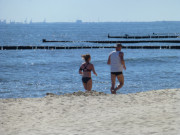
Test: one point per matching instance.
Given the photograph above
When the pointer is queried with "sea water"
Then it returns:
(33, 73)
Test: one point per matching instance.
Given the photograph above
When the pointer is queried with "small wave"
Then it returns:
(4, 92)
(3, 80)
(153, 59)
(167, 57)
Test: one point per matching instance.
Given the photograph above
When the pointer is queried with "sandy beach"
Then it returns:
(146, 113)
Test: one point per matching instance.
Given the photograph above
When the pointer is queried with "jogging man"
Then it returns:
(117, 63)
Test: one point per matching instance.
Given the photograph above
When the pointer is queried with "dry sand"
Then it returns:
(146, 113)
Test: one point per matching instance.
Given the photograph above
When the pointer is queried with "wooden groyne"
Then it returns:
(120, 41)
(143, 37)
(83, 47)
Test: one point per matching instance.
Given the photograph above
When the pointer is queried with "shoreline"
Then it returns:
(153, 112)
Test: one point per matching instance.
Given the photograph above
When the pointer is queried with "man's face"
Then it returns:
(118, 48)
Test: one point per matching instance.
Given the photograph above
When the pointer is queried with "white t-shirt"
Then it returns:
(116, 65)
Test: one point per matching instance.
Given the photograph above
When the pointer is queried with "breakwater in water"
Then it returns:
(83, 47)
(112, 42)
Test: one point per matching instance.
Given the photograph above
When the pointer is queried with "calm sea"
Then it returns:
(33, 73)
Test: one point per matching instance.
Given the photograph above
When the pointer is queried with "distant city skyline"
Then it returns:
(27, 11)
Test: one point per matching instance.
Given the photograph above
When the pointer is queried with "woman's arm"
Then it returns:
(94, 70)
(80, 70)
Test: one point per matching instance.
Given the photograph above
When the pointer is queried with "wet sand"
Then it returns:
(146, 113)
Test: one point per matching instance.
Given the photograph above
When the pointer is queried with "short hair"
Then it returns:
(119, 45)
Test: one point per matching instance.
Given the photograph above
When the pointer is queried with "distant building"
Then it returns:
(25, 21)
(30, 21)
(2, 21)
(44, 20)
(12, 22)
(78, 21)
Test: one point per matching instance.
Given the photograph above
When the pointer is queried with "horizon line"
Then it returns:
(80, 21)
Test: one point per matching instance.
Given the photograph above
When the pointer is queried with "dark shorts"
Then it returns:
(116, 73)
(86, 79)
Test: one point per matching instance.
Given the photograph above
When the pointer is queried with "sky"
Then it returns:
(90, 10)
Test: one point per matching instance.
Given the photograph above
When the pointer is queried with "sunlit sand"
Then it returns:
(146, 113)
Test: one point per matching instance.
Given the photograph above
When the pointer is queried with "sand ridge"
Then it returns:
(79, 93)
(147, 113)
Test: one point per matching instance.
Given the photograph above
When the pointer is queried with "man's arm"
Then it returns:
(109, 60)
(121, 55)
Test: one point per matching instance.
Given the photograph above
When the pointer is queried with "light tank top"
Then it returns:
(116, 65)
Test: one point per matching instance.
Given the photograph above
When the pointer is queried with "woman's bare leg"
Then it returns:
(89, 85)
(85, 86)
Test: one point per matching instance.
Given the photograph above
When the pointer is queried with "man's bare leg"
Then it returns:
(121, 82)
(113, 81)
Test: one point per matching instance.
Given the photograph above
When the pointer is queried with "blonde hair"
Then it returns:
(86, 57)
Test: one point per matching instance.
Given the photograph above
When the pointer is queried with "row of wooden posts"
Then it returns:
(83, 47)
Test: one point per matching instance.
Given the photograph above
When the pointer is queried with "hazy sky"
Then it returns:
(90, 10)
